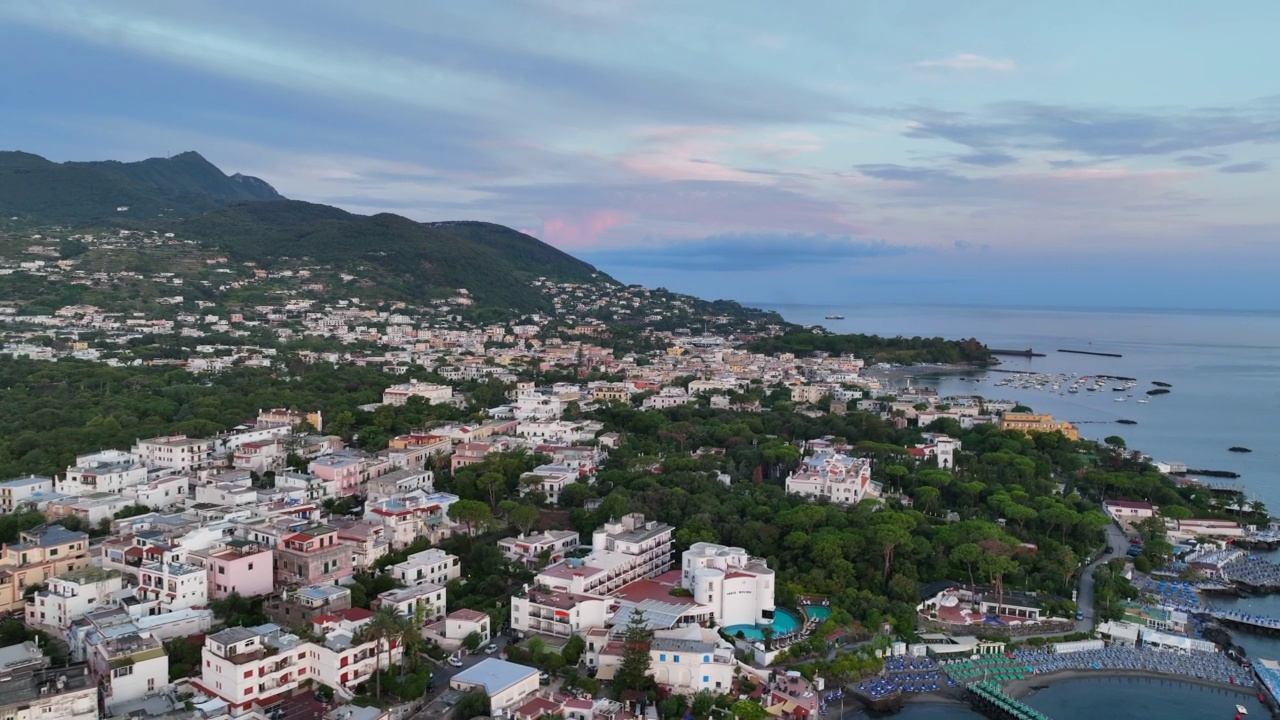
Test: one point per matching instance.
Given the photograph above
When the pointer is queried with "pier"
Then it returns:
(987, 698)
(1263, 624)
(1016, 353)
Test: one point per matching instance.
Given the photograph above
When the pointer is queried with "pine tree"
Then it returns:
(633, 671)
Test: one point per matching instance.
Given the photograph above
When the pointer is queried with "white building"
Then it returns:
(528, 549)
(160, 493)
(668, 397)
(550, 480)
(738, 588)
(941, 448)
(179, 452)
(169, 587)
(400, 394)
(505, 683)
(429, 566)
(842, 479)
(622, 551)
(106, 471)
(70, 596)
(425, 602)
(692, 659)
(29, 490)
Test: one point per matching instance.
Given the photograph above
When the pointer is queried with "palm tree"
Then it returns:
(379, 629)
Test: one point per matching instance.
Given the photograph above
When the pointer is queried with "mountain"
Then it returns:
(247, 219)
(88, 192)
(414, 260)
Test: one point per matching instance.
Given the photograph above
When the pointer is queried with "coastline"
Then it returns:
(1020, 689)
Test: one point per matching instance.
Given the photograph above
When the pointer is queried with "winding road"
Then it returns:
(1119, 544)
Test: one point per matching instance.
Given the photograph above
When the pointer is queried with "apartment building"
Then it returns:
(166, 587)
(106, 471)
(70, 596)
(686, 660)
(252, 666)
(280, 417)
(737, 587)
(367, 542)
(622, 551)
(22, 492)
(41, 553)
(179, 452)
(342, 471)
(842, 479)
(531, 549)
(160, 492)
(429, 566)
(311, 555)
(559, 613)
(340, 661)
(425, 602)
(91, 509)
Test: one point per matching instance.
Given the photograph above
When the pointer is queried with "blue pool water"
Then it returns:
(817, 612)
(784, 623)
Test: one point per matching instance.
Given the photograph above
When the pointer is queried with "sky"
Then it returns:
(836, 152)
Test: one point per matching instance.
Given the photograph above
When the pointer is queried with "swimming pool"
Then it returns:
(784, 623)
(817, 612)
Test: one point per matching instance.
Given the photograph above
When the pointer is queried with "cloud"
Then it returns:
(988, 159)
(1096, 132)
(1201, 160)
(1245, 167)
(747, 252)
(965, 61)
(582, 230)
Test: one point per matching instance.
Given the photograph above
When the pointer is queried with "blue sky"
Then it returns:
(1083, 153)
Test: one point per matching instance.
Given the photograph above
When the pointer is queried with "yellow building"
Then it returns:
(41, 553)
(1029, 423)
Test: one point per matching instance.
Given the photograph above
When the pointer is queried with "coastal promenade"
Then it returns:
(1215, 668)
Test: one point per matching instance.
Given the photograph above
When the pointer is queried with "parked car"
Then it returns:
(1110, 549)
(544, 678)
(491, 649)
(455, 662)
(1079, 614)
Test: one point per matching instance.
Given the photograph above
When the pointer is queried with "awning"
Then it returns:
(606, 672)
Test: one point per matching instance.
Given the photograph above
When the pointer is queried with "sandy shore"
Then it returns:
(1019, 689)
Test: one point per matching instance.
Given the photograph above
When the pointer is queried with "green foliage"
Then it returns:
(236, 610)
(873, 348)
(415, 260)
(184, 657)
(473, 704)
(633, 670)
(13, 632)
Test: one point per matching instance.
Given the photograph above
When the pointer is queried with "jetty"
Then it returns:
(1090, 352)
(987, 698)
(1264, 540)
(1016, 353)
(1264, 624)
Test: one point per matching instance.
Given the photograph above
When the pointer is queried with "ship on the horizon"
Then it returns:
(834, 316)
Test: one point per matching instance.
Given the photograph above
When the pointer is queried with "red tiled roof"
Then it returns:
(1131, 504)
(355, 614)
(467, 614)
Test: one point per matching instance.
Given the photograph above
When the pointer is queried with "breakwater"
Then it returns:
(1090, 352)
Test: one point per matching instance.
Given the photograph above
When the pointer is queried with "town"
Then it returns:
(619, 506)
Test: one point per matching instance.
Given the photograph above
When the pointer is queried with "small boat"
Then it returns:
(1120, 399)
(1242, 710)
(835, 317)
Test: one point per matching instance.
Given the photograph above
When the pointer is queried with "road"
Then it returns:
(1119, 544)
(444, 672)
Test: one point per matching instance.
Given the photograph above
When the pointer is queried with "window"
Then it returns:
(122, 671)
(706, 658)
(706, 678)
(248, 674)
(662, 657)
(222, 569)
(677, 659)
(250, 566)
(53, 552)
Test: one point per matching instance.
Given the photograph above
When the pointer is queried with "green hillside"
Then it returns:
(37, 189)
(413, 260)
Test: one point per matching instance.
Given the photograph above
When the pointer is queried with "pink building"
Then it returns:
(343, 472)
(239, 566)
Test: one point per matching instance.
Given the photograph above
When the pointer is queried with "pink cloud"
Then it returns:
(581, 231)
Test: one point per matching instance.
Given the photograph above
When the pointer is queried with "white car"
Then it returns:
(491, 649)
(455, 661)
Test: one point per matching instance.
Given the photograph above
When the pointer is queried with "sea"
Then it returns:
(1223, 368)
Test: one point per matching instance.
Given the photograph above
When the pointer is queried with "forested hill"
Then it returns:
(412, 259)
(75, 193)
(804, 342)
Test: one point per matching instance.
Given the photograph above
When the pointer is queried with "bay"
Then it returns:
(1224, 368)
